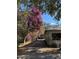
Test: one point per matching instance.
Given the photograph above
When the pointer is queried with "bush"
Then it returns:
(21, 27)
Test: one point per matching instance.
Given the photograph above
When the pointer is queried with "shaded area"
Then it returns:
(38, 50)
(40, 56)
(38, 53)
(38, 43)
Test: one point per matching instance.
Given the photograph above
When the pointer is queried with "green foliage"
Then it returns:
(21, 27)
(53, 7)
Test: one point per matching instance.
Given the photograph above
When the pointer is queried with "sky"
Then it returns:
(48, 19)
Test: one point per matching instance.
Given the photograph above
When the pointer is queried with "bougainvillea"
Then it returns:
(34, 18)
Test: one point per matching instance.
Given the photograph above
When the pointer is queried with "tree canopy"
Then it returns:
(52, 7)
